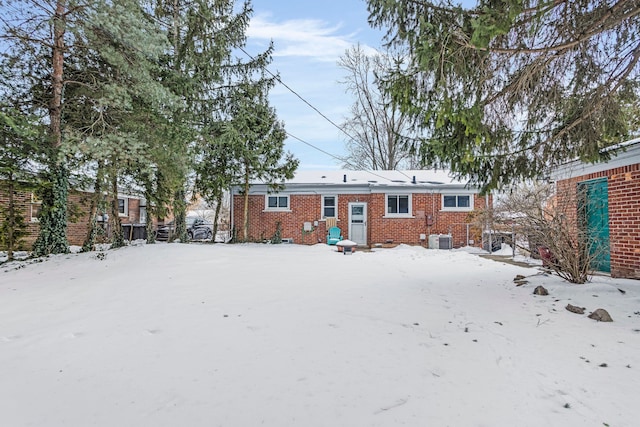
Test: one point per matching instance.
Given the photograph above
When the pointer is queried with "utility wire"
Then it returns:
(275, 76)
(279, 80)
(332, 155)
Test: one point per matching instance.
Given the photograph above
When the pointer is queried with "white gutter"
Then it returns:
(625, 154)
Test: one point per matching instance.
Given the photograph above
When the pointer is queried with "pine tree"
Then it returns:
(202, 34)
(105, 55)
(17, 150)
(258, 140)
(506, 89)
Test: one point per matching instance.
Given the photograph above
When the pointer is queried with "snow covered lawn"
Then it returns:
(287, 335)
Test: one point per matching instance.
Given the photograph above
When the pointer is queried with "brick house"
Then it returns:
(370, 207)
(610, 200)
(132, 211)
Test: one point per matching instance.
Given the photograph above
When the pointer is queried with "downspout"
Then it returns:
(486, 205)
(231, 222)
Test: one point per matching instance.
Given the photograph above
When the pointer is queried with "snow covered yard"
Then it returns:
(287, 335)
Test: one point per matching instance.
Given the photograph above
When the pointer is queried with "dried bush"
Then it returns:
(554, 225)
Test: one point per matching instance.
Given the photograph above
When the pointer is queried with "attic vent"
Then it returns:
(323, 176)
(397, 180)
(373, 182)
(435, 182)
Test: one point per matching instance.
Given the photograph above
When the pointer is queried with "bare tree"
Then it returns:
(377, 127)
(553, 223)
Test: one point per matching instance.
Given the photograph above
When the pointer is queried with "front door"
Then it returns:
(595, 198)
(358, 223)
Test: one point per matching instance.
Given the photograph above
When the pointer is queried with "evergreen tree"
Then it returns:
(110, 110)
(257, 138)
(17, 150)
(105, 55)
(203, 34)
(215, 168)
(216, 152)
(505, 89)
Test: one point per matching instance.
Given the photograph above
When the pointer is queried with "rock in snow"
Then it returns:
(601, 315)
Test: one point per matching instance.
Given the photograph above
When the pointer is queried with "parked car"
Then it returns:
(197, 229)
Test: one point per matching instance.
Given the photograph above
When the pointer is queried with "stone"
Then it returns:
(574, 309)
(601, 315)
(540, 290)
(518, 278)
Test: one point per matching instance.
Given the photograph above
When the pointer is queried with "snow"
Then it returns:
(375, 178)
(289, 335)
(346, 242)
(505, 250)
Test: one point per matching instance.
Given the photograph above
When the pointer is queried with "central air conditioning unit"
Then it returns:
(440, 241)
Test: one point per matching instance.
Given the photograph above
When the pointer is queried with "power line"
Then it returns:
(334, 156)
(279, 80)
(275, 76)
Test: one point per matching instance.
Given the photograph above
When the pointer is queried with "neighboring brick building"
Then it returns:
(79, 202)
(376, 207)
(612, 191)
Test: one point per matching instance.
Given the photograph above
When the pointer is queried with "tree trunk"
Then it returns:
(151, 237)
(245, 226)
(216, 216)
(117, 239)
(53, 218)
(180, 216)
(11, 220)
(53, 215)
(55, 104)
(92, 230)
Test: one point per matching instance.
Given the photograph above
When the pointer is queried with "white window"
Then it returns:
(36, 206)
(143, 211)
(277, 202)
(457, 202)
(398, 205)
(329, 206)
(123, 206)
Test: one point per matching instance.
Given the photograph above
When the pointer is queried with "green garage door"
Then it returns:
(595, 198)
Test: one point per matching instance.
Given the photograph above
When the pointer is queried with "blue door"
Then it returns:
(595, 198)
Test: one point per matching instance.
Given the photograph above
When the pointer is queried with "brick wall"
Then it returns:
(79, 203)
(624, 221)
(22, 200)
(262, 224)
(624, 215)
(307, 208)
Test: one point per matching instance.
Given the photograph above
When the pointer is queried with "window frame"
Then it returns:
(35, 201)
(323, 206)
(125, 206)
(277, 208)
(457, 208)
(408, 214)
(142, 216)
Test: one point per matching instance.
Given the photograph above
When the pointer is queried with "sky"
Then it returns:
(309, 38)
(187, 335)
